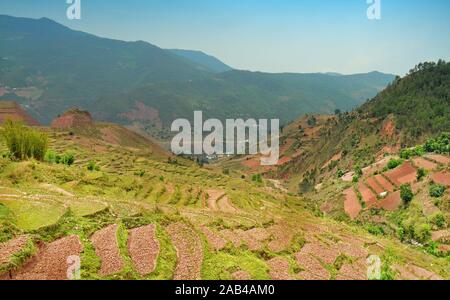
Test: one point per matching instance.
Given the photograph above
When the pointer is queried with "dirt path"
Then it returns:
(189, 251)
(225, 205)
(352, 206)
(213, 196)
(16, 245)
(52, 261)
(54, 188)
(106, 247)
(279, 269)
(144, 248)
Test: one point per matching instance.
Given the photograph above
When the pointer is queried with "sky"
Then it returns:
(269, 35)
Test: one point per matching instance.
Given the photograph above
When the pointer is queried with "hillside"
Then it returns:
(49, 68)
(10, 110)
(384, 167)
(128, 215)
(409, 111)
(208, 62)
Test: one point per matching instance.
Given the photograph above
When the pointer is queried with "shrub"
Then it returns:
(406, 193)
(394, 163)
(67, 159)
(438, 220)
(358, 171)
(440, 144)
(420, 174)
(437, 190)
(23, 142)
(340, 173)
(92, 166)
(51, 157)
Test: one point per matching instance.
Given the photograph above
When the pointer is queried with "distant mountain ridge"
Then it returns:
(210, 63)
(50, 68)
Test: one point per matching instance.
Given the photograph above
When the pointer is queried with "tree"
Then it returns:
(406, 193)
(420, 174)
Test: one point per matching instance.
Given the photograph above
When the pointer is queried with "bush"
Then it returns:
(23, 142)
(53, 158)
(394, 163)
(440, 144)
(92, 166)
(406, 193)
(358, 171)
(437, 190)
(438, 220)
(420, 174)
(67, 159)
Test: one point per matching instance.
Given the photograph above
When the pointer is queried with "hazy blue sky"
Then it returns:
(270, 35)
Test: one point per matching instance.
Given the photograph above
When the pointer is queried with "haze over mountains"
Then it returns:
(49, 68)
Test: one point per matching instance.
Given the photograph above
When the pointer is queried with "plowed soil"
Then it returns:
(313, 269)
(144, 248)
(368, 196)
(51, 261)
(387, 186)
(232, 237)
(374, 185)
(321, 251)
(279, 268)
(106, 247)
(214, 240)
(351, 204)
(11, 247)
(442, 178)
(241, 275)
(189, 251)
(391, 202)
(355, 271)
(282, 236)
(445, 160)
(419, 162)
(406, 173)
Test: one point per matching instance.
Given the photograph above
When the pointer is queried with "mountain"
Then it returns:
(50, 68)
(210, 63)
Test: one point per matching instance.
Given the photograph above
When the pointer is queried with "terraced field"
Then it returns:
(141, 216)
